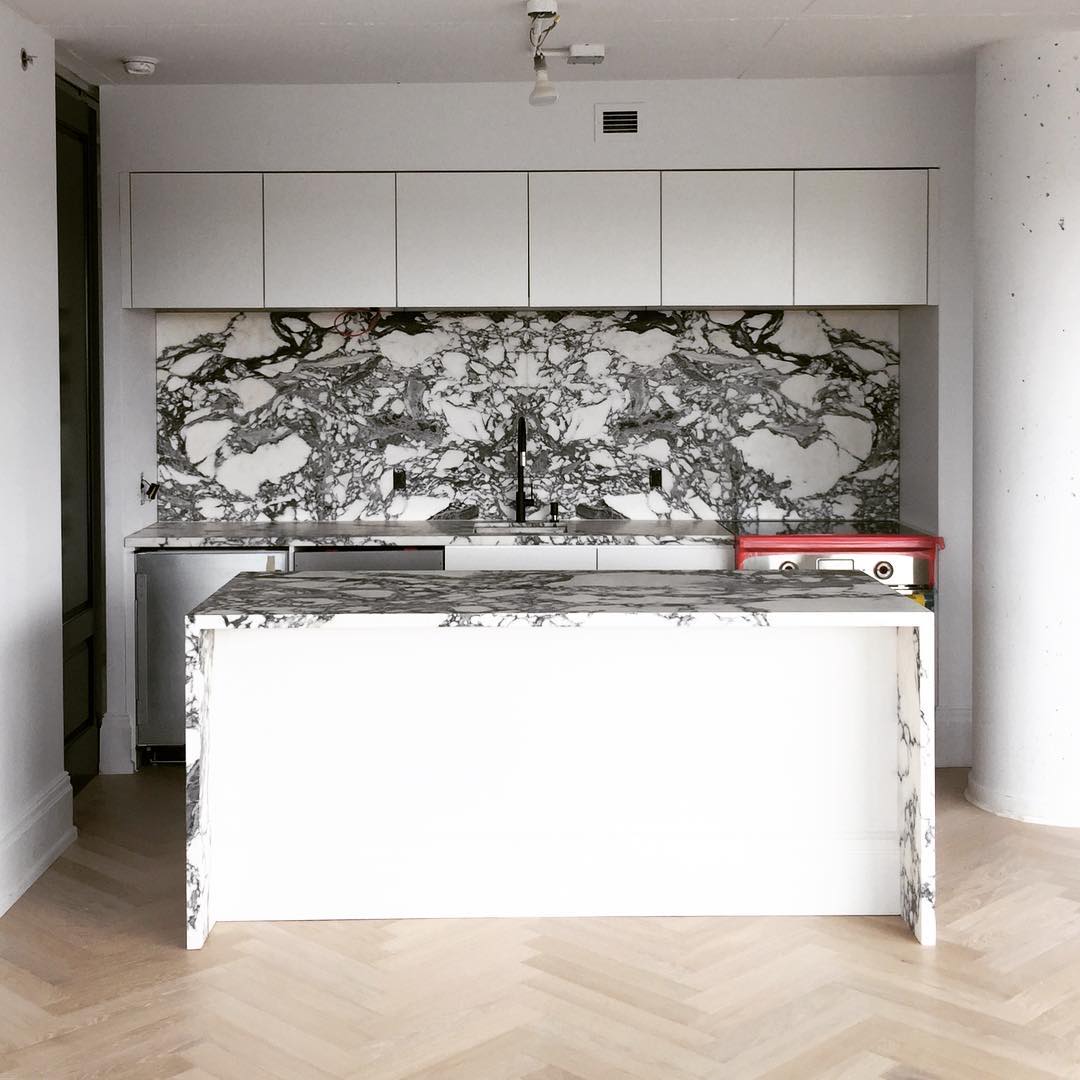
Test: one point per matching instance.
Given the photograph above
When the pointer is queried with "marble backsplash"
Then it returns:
(780, 414)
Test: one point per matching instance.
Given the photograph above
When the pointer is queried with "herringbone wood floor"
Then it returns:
(94, 980)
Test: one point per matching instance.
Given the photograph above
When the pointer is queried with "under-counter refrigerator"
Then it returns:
(168, 584)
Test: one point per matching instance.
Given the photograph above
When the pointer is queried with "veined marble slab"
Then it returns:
(760, 414)
(679, 600)
(435, 533)
(446, 598)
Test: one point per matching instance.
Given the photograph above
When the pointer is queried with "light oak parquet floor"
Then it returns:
(94, 980)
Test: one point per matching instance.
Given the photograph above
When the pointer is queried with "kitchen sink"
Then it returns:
(524, 528)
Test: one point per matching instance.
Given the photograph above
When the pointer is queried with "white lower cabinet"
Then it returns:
(520, 557)
(665, 557)
(589, 557)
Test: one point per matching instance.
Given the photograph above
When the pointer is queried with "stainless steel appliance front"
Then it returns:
(168, 584)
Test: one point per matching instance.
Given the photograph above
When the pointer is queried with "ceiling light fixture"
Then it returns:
(543, 18)
(544, 91)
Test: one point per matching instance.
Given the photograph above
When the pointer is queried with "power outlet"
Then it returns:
(656, 479)
(399, 479)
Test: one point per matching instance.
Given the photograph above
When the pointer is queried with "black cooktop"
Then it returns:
(824, 528)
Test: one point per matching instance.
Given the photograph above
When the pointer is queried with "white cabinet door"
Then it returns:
(520, 557)
(594, 239)
(696, 556)
(727, 239)
(330, 240)
(196, 240)
(860, 237)
(463, 240)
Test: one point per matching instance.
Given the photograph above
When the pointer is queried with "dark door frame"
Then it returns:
(77, 115)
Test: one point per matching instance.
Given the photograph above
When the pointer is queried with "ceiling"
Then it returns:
(357, 41)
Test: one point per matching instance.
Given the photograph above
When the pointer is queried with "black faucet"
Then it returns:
(521, 501)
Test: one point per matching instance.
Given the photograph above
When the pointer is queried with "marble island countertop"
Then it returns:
(558, 598)
(429, 533)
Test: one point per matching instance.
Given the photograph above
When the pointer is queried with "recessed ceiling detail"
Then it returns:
(424, 41)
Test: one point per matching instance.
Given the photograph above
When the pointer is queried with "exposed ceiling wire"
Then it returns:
(538, 33)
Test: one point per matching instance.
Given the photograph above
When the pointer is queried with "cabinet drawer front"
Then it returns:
(514, 557)
(666, 557)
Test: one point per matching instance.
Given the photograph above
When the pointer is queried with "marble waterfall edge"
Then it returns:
(566, 601)
(274, 416)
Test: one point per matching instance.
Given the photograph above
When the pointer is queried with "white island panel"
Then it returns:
(601, 771)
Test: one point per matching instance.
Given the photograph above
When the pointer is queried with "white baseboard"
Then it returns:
(953, 731)
(117, 745)
(29, 847)
(1035, 811)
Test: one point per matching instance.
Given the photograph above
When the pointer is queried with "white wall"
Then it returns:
(35, 793)
(685, 124)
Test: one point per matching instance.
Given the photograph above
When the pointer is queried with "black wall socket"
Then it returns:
(656, 478)
(399, 479)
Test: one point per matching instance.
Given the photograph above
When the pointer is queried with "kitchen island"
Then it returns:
(409, 745)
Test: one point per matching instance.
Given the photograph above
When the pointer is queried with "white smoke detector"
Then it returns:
(140, 65)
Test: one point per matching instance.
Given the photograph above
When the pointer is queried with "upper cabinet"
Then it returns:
(463, 240)
(594, 239)
(727, 239)
(329, 240)
(861, 237)
(477, 240)
(196, 240)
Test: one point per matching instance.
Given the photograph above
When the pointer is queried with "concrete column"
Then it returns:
(1027, 431)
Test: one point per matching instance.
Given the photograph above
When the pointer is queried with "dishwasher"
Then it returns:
(168, 584)
(367, 558)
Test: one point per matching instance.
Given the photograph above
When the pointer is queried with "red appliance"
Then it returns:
(902, 558)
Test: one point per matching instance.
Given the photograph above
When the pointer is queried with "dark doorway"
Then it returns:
(80, 427)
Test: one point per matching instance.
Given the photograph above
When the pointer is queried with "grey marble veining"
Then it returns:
(536, 596)
(438, 533)
(551, 601)
(778, 414)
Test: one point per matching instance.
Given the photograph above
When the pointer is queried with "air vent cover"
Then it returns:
(622, 120)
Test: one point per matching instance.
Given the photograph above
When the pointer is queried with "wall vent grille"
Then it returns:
(618, 120)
